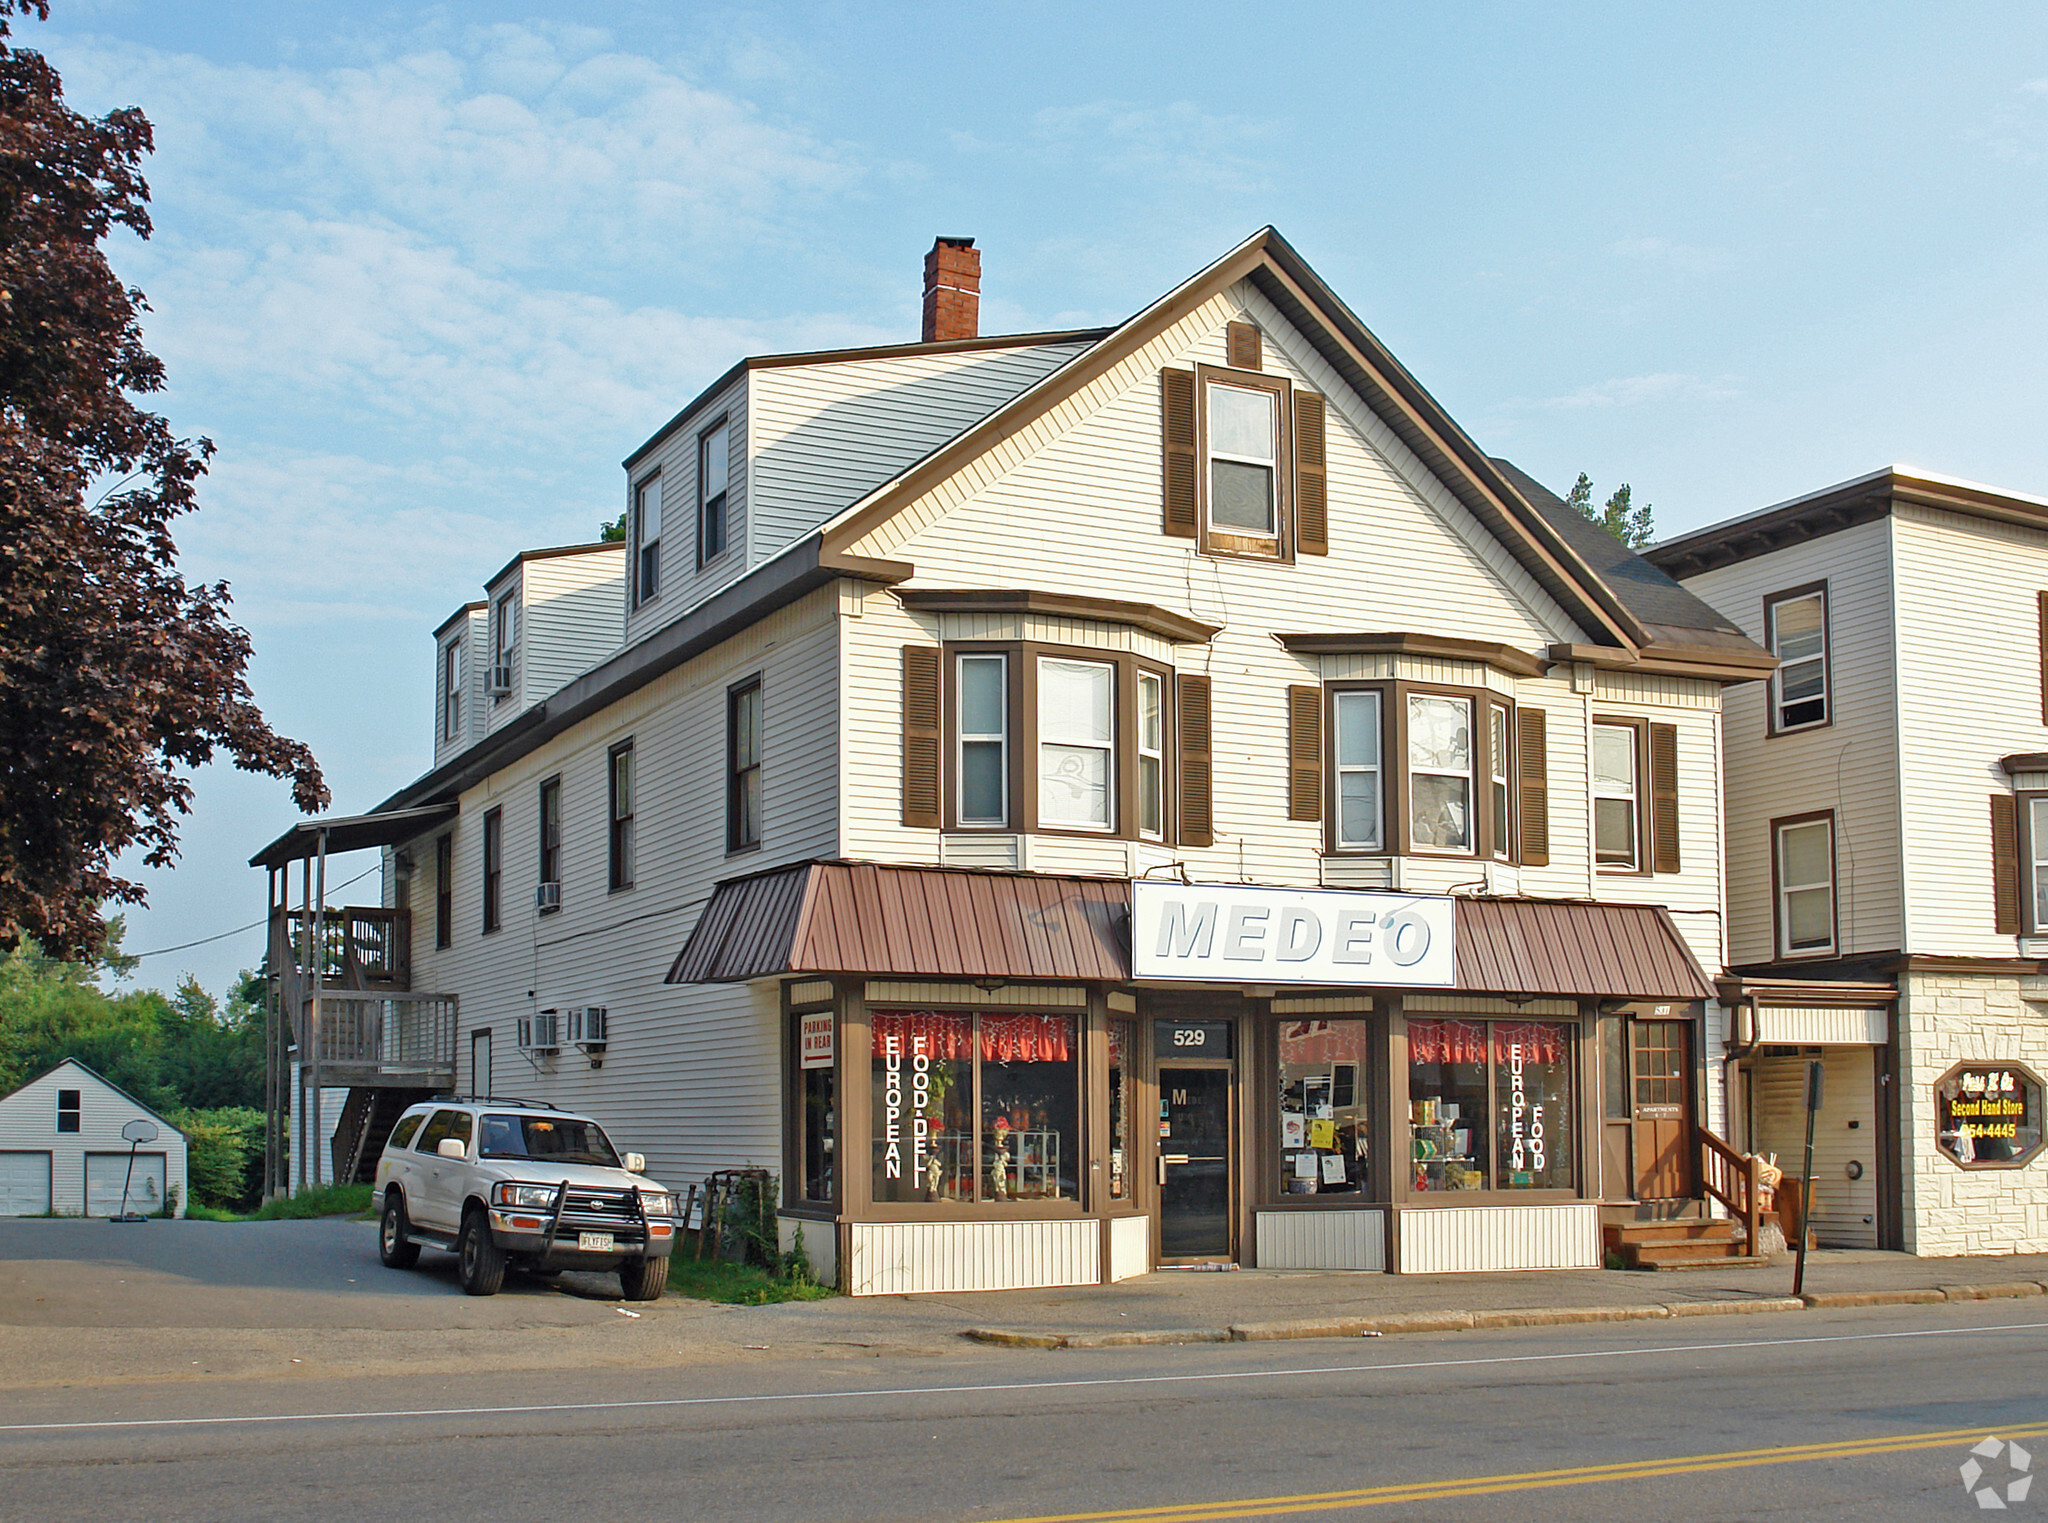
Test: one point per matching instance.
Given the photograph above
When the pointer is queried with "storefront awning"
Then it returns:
(1799, 1013)
(930, 922)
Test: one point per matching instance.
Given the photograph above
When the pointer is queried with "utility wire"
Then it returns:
(238, 930)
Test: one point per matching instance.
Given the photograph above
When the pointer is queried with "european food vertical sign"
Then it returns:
(897, 1066)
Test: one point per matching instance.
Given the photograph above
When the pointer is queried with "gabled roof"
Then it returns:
(1396, 397)
(99, 1079)
(1834, 508)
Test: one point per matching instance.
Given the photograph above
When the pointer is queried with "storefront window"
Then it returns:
(1460, 1073)
(1323, 1112)
(1988, 1115)
(1122, 1051)
(821, 1133)
(927, 1143)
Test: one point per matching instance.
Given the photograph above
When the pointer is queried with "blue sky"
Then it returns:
(425, 274)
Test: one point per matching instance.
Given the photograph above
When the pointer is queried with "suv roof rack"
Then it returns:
(531, 1105)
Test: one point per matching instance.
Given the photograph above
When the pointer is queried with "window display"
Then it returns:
(1123, 1037)
(1516, 1072)
(1988, 1115)
(929, 1142)
(821, 1116)
(1324, 1074)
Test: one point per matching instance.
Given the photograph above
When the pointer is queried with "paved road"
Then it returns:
(1672, 1420)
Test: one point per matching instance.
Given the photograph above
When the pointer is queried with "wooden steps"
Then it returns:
(1683, 1243)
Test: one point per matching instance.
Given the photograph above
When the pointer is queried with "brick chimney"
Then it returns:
(952, 291)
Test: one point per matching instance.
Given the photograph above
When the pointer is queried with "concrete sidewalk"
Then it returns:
(1173, 1306)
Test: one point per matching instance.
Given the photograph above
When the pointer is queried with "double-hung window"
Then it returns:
(1151, 755)
(714, 450)
(1244, 461)
(2037, 861)
(494, 868)
(68, 1109)
(743, 766)
(1805, 873)
(620, 797)
(444, 891)
(1357, 756)
(504, 642)
(1439, 772)
(451, 690)
(1617, 797)
(1796, 624)
(1500, 791)
(983, 760)
(1076, 744)
(646, 541)
(551, 836)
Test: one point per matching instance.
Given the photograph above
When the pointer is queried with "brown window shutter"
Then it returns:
(921, 736)
(1311, 476)
(1241, 347)
(1197, 776)
(1663, 798)
(1532, 763)
(2043, 598)
(1304, 753)
(2005, 865)
(1177, 431)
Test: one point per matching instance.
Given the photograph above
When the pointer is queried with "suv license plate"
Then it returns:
(594, 1242)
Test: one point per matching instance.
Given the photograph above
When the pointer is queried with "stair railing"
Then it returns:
(1731, 1178)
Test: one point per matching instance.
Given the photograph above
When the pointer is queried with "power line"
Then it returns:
(185, 946)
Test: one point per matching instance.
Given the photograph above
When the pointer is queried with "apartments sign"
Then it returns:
(1235, 933)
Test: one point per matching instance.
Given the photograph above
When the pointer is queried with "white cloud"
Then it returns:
(1179, 143)
(1645, 390)
(1684, 258)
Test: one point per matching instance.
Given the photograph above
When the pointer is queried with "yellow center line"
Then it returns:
(1532, 1480)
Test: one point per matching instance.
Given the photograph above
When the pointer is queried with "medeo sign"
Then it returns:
(1237, 933)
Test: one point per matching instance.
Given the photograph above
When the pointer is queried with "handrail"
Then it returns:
(1731, 1178)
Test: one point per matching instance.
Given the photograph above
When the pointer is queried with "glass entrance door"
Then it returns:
(1194, 1163)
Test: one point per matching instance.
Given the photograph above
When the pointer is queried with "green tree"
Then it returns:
(51, 1009)
(1632, 525)
(208, 1055)
(222, 1149)
(116, 677)
(614, 532)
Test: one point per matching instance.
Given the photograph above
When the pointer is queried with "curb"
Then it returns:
(1394, 1323)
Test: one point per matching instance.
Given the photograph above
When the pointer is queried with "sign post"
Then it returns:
(135, 1133)
(1814, 1075)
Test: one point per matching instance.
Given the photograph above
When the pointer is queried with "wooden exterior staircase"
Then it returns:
(1700, 1242)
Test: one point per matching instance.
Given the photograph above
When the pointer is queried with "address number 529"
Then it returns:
(1190, 1038)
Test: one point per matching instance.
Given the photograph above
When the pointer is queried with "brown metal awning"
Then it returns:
(931, 922)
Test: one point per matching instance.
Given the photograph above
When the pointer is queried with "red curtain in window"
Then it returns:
(1540, 1041)
(1027, 1038)
(946, 1035)
(1447, 1041)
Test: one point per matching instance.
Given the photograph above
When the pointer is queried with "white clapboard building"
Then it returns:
(62, 1149)
(1073, 802)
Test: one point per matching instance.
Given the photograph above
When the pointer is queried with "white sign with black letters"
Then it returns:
(1236, 933)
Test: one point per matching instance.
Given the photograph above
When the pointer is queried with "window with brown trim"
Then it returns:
(1410, 769)
(743, 766)
(646, 528)
(1796, 631)
(2032, 815)
(444, 891)
(494, 868)
(1050, 738)
(1803, 884)
(1244, 435)
(1618, 795)
(619, 807)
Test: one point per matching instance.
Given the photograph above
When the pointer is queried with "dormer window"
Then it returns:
(714, 450)
(1244, 467)
(451, 690)
(504, 642)
(646, 541)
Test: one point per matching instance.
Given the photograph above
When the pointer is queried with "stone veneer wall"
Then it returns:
(1946, 1019)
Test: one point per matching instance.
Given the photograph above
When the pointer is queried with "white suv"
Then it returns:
(507, 1180)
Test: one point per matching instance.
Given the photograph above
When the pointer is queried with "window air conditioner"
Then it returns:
(589, 1030)
(541, 1032)
(547, 896)
(501, 679)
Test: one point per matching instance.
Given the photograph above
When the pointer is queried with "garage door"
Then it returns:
(104, 1173)
(24, 1184)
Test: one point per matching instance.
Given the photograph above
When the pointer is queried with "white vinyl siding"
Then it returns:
(43, 1162)
(1851, 766)
(905, 1258)
(683, 583)
(1321, 1240)
(1500, 1237)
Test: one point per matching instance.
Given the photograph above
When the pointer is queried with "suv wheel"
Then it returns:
(643, 1279)
(393, 1246)
(481, 1261)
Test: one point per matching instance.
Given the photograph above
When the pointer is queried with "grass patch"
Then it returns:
(325, 1200)
(736, 1284)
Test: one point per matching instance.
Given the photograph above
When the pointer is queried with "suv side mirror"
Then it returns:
(451, 1147)
(636, 1163)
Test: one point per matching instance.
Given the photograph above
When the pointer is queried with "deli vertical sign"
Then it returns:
(1236, 933)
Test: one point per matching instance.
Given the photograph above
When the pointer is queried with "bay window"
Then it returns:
(1358, 770)
(975, 1106)
(1076, 744)
(2037, 860)
(983, 761)
(1490, 1105)
(1439, 772)
(1151, 755)
(1499, 792)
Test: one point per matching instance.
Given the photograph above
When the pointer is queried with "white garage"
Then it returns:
(62, 1149)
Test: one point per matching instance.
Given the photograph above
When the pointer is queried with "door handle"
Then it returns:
(1167, 1158)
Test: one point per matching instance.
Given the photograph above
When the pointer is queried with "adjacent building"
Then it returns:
(1887, 840)
(73, 1144)
(1074, 802)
